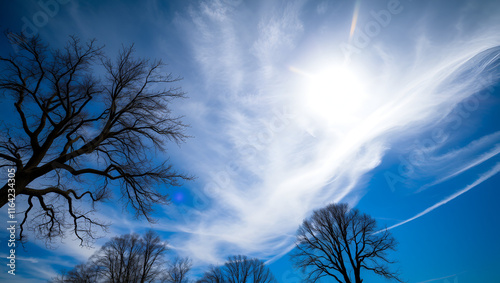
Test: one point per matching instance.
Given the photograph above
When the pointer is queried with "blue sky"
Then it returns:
(391, 106)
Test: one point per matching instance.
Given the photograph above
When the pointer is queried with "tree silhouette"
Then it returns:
(82, 273)
(128, 258)
(177, 270)
(340, 242)
(239, 269)
(76, 135)
(131, 258)
(215, 274)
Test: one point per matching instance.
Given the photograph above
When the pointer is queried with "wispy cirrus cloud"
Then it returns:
(271, 160)
(264, 156)
(472, 155)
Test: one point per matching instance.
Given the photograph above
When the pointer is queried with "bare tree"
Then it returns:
(340, 242)
(152, 260)
(131, 258)
(119, 259)
(215, 274)
(261, 273)
(177, 270)
(82, 273)
(76, 135)
(239, 269)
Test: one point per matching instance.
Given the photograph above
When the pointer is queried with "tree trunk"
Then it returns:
(4, 198)
(346, 277)
(4, 193)
(19, 185)
(357, 275)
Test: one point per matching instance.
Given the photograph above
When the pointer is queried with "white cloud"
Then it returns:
(277, 32)
(271, 161)
(472, 155)
(265, 161)
(215, 44)
(322, 7)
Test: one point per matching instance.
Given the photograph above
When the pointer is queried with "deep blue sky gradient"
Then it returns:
(456, 242)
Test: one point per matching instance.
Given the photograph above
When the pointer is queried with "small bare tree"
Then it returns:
(177, 270)
(239, 269)
(215, 274)
(340, 242)
(73, 127)
(131, 258)
(82, 273)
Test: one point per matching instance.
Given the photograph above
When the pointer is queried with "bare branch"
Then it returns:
(65, 114)
(339, 242)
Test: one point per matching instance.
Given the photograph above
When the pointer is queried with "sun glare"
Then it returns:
(335, 94)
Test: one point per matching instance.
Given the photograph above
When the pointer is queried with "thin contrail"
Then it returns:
(481, 179)
(436, 279)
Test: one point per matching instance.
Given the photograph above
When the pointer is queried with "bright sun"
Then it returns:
(335, 94)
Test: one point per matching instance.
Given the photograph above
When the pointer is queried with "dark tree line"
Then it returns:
(140, 259)
(76, 134)
(130, 258)
(335, 242)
